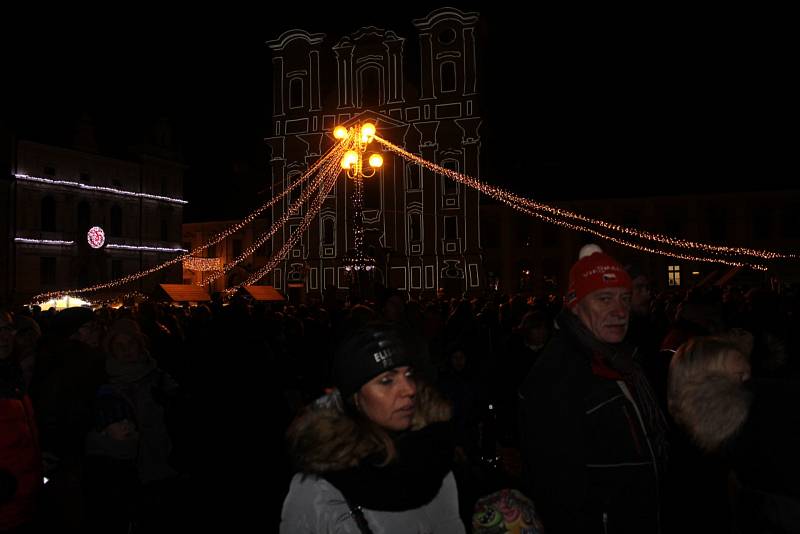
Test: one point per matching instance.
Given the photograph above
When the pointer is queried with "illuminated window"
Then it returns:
(674, 275)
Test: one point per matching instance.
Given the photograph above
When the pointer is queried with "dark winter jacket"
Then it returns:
(592, 436)
(20, 456)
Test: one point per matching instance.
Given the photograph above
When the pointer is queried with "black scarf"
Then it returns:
(424, 458)
(620, 356)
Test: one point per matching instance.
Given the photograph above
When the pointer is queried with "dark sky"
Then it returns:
(574, 103)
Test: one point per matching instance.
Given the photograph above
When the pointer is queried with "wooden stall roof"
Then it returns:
(264, 293)
(186, 292)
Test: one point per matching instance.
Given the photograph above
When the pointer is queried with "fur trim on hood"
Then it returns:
(326, 438)
(712, 410)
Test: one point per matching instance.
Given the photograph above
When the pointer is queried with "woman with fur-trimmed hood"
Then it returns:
(375, 455)
(752, 423)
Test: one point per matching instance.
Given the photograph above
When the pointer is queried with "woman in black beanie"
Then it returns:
(375, 455)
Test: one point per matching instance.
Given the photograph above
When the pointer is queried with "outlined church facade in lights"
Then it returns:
(423, 229)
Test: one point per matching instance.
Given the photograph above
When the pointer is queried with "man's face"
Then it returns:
(605, 313)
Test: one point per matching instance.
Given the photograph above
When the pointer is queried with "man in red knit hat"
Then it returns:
(593, 436)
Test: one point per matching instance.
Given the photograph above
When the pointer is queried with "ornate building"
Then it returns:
(58, 196)
(423, 229)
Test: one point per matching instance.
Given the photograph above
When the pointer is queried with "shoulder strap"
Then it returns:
(358, 516)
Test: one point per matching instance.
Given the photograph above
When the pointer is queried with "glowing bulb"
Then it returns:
(349, 159)
(375, 161)
(367, 132)
(340, 132)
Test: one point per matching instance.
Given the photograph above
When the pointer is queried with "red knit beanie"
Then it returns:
(594, 270)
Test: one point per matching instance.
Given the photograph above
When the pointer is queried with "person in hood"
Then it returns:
(375, 455)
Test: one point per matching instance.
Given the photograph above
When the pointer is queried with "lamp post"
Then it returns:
(357, 259)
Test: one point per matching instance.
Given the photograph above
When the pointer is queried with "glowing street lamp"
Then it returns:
(353, 165)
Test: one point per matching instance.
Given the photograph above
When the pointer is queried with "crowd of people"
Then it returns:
(614, 409)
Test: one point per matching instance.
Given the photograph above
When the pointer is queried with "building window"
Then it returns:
(295, 193)
(327, 231)
(84, 216)
(48, 214)
(47, 271)
(296, 93)
(370, 79)
(164, 230)
(413, 177)
(115, 228)
(448, 72)
(447, 36)
(415, 227)
(674, 275)
(450, 227)
(449, 187)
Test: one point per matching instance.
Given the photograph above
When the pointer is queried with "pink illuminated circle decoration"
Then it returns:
(96, 237)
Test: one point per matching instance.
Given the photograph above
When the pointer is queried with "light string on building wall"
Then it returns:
(52, 242)
(515, 200)
(293, 238)
(331, 168)
(334, 153)
(102, 189)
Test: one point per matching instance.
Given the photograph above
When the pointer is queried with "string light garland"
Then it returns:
(331, 168)
(202, 264)
(642, 248)
(515, 200)
(112, 190)
(48, 242)
(334, 153)
(293, 238)
(145, 248)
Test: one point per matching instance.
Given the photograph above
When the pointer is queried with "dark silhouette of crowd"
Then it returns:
(157, 415)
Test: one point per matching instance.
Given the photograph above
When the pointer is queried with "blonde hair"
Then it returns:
(703, 396)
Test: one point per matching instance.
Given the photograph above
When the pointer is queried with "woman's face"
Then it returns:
(388, 400)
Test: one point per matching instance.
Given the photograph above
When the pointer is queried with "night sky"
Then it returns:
(575, 104)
